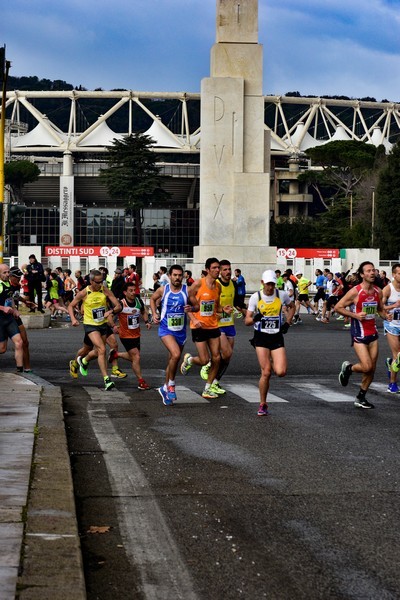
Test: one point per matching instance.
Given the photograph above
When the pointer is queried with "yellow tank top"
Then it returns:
(271, 312)
(227, 297)
(94, 307)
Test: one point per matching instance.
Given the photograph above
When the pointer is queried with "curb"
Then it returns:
(51, 565)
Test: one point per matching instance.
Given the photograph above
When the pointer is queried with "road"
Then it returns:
(206, 500)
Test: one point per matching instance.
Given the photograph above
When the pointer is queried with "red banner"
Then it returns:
(307, 253)
(105, 251)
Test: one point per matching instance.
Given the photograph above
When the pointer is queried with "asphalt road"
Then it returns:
(206, 500)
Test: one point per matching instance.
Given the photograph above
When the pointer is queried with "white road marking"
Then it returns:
(323, 392)
(250, 393)
(187, 396)
(145, 533)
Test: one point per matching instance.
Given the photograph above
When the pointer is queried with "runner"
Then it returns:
(129, 331)
(364, 302)
(302, 299)
(205, 293)
(95, 299)
(228, 297)
(391, 303)
(8, 315)
(265, 314)
(172, 330)
(15, 287)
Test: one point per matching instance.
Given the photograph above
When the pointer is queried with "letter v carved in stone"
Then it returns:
(218, 155)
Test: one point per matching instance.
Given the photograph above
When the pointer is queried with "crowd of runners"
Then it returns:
(112, 309)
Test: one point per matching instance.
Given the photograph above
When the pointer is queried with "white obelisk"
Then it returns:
(235, 157)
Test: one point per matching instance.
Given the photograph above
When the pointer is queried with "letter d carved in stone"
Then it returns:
(219, 108)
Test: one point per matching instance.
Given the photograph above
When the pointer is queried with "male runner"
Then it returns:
(391, 303)
(15, 287)
(364, 302)
(129, 331)
(172, 330)
(302, 299)
(265, 314)
(228, 297)
(95, 299)
(205, 293)
(8, 319)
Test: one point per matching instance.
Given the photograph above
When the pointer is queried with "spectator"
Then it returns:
(241, 290)
(118, 283)
(35, 277)
(188, 278)
(164, 279)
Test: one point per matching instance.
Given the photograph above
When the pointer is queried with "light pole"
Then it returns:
(373, 217)
(4, 68)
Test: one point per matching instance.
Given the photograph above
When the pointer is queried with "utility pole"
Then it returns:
(4, 68)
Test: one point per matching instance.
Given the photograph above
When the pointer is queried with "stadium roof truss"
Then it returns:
(296, 123)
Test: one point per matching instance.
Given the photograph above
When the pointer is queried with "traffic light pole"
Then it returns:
(5, 68)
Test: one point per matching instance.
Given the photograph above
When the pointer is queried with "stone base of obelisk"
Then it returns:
(252, 261)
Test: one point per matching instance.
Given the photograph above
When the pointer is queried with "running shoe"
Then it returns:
(73, 369)
(388, 363)
(363, 403)
(217, 389)
(164, 395)
(345, 373)
(347, 325)
(395, 366)
(112, 356)
(83, 368)
(393, 388)
(108, 384)
(117, 374)
(171, 393)
(324, 320)
(142, 385)
(185, 366)
(262, 410)
(318, 318)
(340, 318)
(237, 313)
(208, 393)
(204, 371)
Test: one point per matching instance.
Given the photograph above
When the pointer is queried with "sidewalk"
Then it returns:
(40, 555)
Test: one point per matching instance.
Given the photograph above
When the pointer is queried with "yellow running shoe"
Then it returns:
(117, 374)
(73, 368)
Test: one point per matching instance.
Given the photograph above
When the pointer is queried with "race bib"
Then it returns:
(207, 308)
(98, 314)
(175, 321)
(269, 324)
(225, 318)
(370, 309)
(133, 321)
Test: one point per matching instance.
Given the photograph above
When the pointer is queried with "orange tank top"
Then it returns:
(208, 300)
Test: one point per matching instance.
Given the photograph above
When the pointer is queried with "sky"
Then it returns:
(315, 47)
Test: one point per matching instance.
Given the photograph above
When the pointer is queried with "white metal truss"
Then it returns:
(296, 123)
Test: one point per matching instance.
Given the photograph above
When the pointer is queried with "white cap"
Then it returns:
(268, 276)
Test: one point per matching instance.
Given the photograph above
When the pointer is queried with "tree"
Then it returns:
(344, 164)
(133, 177)
(387, 204)
(18, 173)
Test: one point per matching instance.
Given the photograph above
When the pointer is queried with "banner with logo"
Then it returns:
(104, 251)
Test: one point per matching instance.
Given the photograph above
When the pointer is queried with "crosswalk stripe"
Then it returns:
(188, 396)
(99, 396)
(323, 392)
(378, 387)
(250, 393)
